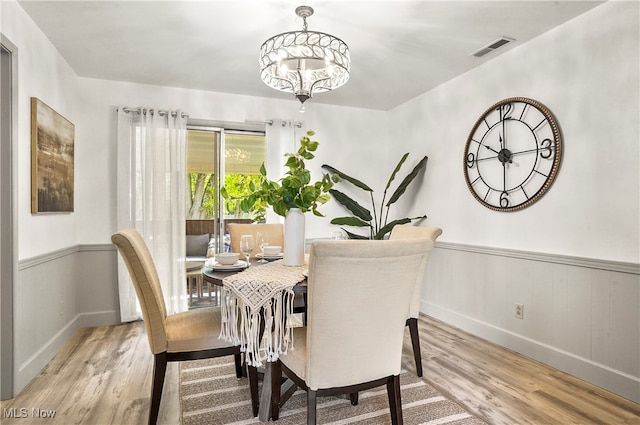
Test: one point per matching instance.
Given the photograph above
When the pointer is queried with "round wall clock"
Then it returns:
(512, 154)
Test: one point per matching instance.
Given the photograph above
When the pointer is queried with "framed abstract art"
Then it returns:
(52, 160)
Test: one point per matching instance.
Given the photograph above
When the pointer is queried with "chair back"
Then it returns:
(142, 269)
(401, 232)
(275, 231)
(358, 297)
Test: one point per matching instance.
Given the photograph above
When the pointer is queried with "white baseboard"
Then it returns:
(99, 318)
(603, 376)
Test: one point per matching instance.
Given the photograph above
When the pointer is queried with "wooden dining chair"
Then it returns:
(412, 232)
(190, 335)
(359, 293)
(274, 230)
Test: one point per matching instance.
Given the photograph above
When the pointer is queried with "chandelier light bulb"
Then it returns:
(321, 60)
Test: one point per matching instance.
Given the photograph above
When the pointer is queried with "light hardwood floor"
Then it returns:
(103, 376)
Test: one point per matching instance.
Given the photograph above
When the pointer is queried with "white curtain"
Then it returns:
(151, 174)
(282, 138)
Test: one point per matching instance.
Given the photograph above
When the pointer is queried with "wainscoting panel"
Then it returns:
(56, 294)
(581, 316)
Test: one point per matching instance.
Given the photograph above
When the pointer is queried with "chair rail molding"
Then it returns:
(617, 266)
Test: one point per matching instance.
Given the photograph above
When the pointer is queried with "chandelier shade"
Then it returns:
(304, 62)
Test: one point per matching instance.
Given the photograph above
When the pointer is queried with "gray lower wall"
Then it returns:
(581, 316)
(57, 294)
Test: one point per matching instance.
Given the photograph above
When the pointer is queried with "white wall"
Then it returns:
(346, 136)
(586, 73)
(45, 311)
(572, 258)
(45, 75)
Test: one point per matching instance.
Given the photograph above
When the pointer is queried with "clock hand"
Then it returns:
(529, 151)
(500, 136)
(486, 158)
(504, 132)
(490, 148)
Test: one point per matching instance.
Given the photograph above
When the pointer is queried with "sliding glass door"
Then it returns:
(219, 157)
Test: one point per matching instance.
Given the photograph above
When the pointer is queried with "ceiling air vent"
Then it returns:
(492, 46)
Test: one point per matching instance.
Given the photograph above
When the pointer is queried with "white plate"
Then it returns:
(270, 257)
(239, 265)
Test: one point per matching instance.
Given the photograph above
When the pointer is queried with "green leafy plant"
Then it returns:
(294, 190)
(376, 220)
(238, 186)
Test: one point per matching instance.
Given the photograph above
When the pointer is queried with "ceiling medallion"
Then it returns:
(304, 62)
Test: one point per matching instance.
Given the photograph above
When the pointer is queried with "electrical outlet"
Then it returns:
(520, 311)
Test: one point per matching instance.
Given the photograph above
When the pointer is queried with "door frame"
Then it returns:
(8, 210)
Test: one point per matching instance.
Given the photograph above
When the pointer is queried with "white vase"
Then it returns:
(294, 238)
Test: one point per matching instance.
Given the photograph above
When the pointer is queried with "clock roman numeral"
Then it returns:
(544, 120)
(524, 110)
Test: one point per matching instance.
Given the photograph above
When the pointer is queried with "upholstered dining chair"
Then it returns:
(359, 293)
(190, 335)
(413, 232)
(275, 231)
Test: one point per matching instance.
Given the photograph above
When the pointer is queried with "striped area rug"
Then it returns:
(211, 394)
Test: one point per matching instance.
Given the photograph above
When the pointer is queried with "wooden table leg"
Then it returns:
(287, 389)
(264, 410)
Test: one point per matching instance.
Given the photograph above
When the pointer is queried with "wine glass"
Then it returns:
(338, 235)
(262, 240)
(247, 244)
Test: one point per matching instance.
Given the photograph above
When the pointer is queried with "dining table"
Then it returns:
(257, 305)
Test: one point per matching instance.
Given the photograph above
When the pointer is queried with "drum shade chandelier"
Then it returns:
(304, 62)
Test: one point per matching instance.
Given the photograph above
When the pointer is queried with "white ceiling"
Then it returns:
(399, 49)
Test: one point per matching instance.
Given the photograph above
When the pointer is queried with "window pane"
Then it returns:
(244, 155)
(201, 147)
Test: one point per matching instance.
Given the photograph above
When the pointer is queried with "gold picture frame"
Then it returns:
(52, 160)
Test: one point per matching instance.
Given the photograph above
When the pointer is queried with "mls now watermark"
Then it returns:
(23, 412)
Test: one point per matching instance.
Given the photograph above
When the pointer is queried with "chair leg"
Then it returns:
(395, 403)
(354, 399)
(311, 407)
(159, 369)
(415, 342)
(237, 357)
(252, 371)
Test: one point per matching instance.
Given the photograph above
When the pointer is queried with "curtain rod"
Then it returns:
(161, 112)
(283, 123)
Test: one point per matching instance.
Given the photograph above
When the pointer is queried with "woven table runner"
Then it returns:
(260, 295)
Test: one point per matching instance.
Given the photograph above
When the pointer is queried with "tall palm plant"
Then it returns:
(376, 219)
